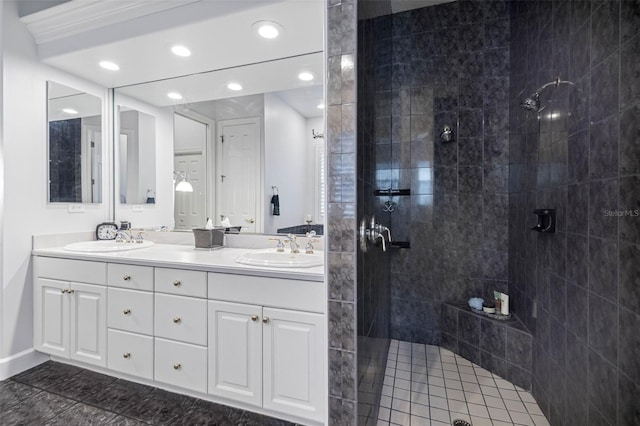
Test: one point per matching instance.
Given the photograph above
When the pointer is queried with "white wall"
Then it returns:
(284, 158)
(25, 208)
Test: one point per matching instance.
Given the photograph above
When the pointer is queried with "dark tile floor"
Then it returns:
(60, 394)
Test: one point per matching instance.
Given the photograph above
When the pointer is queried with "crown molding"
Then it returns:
(78, 16)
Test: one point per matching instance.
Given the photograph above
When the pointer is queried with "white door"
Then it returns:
(239, 173)
(190, 206)
(88, 325)
(293, 368)
(51, 317)
(235, 352)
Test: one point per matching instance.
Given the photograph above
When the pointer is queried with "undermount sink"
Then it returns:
(272, 258)
(105, 245)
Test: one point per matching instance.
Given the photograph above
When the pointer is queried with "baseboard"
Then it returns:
(14, 364)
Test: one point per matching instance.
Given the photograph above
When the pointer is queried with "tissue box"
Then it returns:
(208, 239)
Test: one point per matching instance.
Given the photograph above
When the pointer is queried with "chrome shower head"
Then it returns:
(532, 103)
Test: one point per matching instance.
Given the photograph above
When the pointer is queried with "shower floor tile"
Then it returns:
(430, 386)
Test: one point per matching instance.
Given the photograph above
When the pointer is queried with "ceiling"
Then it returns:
(218, 33)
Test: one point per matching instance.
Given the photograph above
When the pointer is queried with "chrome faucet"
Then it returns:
(139, 239)
(291, 239)
(123, 237)
(279, 244)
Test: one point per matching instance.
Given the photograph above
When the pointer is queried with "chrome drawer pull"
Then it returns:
(177, 283)
(126, 311)
(177, 366)
(126, 355)
(177, 320)
(254, 318)
(265, 320)
(126, 277)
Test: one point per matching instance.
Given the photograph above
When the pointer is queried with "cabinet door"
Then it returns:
(88, 324)
(51, 317)
(293, 367)
(235, 351)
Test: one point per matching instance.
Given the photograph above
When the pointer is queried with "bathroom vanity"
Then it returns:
(195, 322)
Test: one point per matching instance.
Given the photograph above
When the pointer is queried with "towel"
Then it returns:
(275, 205)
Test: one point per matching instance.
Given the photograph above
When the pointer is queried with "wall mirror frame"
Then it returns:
(75, 152)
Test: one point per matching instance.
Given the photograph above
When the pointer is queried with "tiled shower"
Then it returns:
(468, 65)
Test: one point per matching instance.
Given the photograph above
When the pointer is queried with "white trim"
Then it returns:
(78, 16)
(15, 364)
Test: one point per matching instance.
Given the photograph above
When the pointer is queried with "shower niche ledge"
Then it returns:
(503, 347)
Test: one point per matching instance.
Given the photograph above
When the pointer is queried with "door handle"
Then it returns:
(249, 220)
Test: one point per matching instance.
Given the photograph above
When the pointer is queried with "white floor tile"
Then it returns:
(533, 408)
(420, 398)
(503, 384)
(499, 414)
(439, 423)
(387, 390)
(448, 374)
(422, 387)
(402, 365)
(450, 367)
(482, 372)
(463, 362)
(402, 384)
(471, 387)
(526, 397)
(382, 423)
(491, 391)
(420, 410)
(471, 378)
(453, 384)
(399, 418)
(438, 402)
(499, 423)
(521, 418)
(481, 421)
(419, 369)
(419, 377)
(491, 401)
(419, 421)
(437, 391)
(434, 372)
(478, 410)
(385, 401)
(460, 416)
(388, 380)
(474, 398)
(509, 394)
(384, 413)
(436, 381)
(440, 415)
(402, 394)
(486, 381)
(515, 406)
(466, 369)
(455, 394)
(457, 406)
(402, 374)
(401, 405)
(540, 420)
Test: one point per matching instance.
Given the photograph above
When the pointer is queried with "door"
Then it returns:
(240, 173)
(293, 372)
(51, 317)
(235, 352)
(190, 206)
(88, 326)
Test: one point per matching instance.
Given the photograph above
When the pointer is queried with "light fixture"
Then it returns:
(234, 86)
(174, 95)
(306, 76)
(320, 106)
(108, 65)
(183, 185)
(179, 50)
(69, 110)
(267, 29)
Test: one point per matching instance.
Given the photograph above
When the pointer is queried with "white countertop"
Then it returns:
(186, 257)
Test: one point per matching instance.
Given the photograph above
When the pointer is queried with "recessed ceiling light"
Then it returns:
(234, 86)
(267, 29)
(69, 111)
(306, 76)
(174, 95)
(181, 51)
(108, 65)
(320, 106)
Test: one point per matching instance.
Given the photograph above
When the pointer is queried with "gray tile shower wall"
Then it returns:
(578, 290)
(442, 65)
(341, 221)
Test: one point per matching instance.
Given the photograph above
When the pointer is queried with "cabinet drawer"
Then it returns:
(181, 282)
(181, 318)
(266, 291)
(130, 276)
(130, 310)
(70, 270)
(181, 364)
(130, 353)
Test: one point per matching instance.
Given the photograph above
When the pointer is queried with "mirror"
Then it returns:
(136, 150)
(254, 157)
(74, 145)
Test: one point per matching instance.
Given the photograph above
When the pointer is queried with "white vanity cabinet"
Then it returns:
(70, 309)
(267, 356)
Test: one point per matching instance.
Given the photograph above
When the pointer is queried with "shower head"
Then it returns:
(532, 103)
